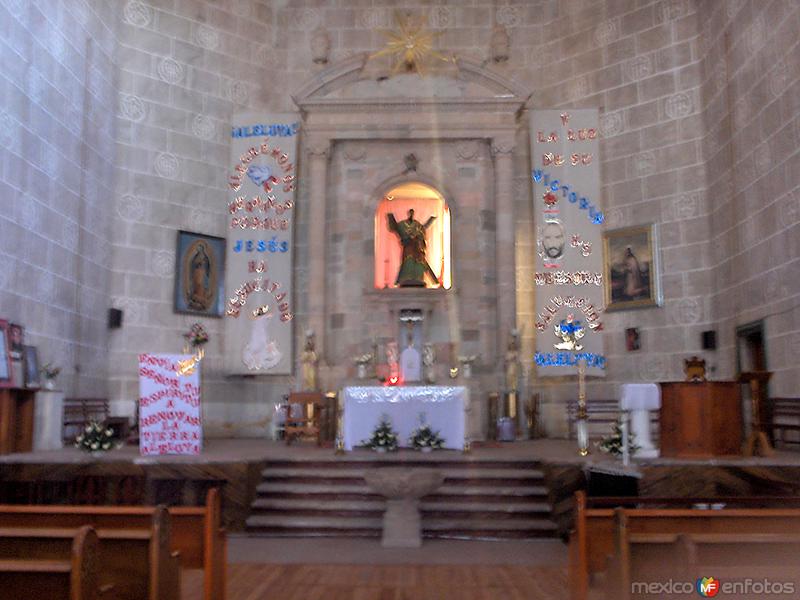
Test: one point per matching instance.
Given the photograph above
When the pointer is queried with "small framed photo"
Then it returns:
(6, 374)
(16, 341)
(630, 268)
(632, 340)
(31, 360)
(200, 274)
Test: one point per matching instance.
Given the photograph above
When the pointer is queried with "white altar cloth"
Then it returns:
(443, 407)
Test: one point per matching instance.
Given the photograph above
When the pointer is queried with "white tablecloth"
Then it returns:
(640, 396)
(442, 406)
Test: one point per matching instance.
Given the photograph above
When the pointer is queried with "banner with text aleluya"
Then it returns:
(169, 406)
(262, 180)
(569, 265)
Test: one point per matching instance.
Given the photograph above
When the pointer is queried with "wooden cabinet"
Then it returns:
(16, 420)
(699, 420)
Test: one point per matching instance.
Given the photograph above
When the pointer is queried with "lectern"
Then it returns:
(701, 419)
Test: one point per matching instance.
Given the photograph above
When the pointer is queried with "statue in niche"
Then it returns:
(308, 360)
(414, 265)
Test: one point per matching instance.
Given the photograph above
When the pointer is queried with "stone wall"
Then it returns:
(698, 116)
(58, 84)
(751, 97)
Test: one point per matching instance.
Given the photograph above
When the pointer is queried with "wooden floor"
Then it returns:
(400, 582)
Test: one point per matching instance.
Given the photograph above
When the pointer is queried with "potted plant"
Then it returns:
(195, 338)
(383, 438)
(425, 439)
(95, 438)
(49, 371)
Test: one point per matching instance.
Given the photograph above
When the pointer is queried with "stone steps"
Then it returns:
(495, 500)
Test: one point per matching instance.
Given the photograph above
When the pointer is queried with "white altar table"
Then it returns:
(443, 407)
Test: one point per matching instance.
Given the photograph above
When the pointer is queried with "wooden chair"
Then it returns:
(196, 532)
(71, 576)
(79, 412)
(784, 418)
(309, 423)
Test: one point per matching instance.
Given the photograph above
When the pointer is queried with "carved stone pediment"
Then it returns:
(359, 82)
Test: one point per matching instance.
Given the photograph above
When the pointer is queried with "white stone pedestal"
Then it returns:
(640, 399)
(48, 418)
(403, 487)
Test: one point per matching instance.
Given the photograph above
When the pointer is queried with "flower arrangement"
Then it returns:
(363, 359)
(196, 336)
(50, 371)
(383, 437)
(95, 438)
(424, 438)
(612, 444)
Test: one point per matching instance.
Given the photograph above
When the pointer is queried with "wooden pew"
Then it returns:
(591, 542)
(72, 577)
(654, 557)
(197, 532)
(134, 564)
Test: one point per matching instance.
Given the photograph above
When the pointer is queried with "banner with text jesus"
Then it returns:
(169, 405)
(569, 266)
(262, 178)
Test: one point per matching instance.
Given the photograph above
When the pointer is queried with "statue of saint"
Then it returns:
(308, 360)
(512, 363)
(414, 265)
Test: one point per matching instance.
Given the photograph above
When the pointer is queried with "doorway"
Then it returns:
(751, 355)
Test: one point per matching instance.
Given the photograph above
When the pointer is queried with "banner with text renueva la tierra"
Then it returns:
(262, 179)
(569, 265)
(169, 405)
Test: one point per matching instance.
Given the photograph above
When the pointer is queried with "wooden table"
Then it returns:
(16, 420)
(701, 420)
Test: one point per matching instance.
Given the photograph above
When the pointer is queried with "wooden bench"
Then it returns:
(602, 414)
(72, 577)
(660, 556)
(591, 542)
(197, 532)
(784, 418)
(134, 564)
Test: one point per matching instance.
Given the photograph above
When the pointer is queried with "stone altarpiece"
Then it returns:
(461, 124)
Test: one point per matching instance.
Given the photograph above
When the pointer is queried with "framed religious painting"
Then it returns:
(31, 356)
(630, 268)
(6, 379)
(199, 274)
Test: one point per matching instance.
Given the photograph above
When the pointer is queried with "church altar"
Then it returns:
(443, 407)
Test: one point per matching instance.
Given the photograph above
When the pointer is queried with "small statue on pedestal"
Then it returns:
(428, 361)
(512, 362)
(308, 360)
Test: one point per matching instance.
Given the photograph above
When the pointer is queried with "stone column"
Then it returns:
(502, 149)
(318, 150)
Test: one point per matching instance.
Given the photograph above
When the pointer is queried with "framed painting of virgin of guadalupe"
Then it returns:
(199, 274)
(630, 268)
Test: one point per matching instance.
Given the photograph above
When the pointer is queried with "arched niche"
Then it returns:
(428, 207)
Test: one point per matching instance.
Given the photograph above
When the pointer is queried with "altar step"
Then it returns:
(493, 500)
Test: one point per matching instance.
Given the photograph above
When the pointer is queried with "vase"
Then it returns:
(49, 384)
(380, 450)
(362, 371)
(426, 450)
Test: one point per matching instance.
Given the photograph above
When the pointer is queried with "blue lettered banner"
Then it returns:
(260, 207)
(569, 265)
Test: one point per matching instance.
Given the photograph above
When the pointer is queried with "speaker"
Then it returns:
(114, 318)
(710, 340)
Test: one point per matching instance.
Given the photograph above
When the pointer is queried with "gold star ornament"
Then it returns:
(411, 45)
